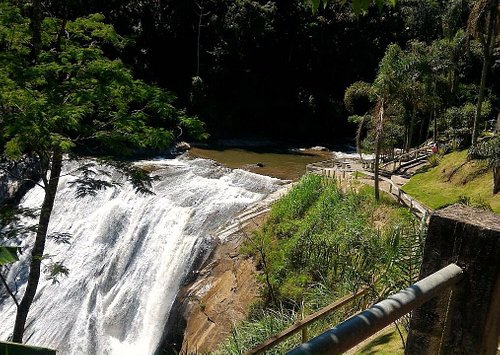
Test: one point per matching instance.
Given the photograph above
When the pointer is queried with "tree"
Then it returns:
(482, 25)
(60, 95)
(356, 92)
(383, 95)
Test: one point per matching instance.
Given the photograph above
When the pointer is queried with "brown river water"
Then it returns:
(279, 163)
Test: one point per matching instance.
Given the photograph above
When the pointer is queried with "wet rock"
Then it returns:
(16, 178)
(182, 146)
(319, 148)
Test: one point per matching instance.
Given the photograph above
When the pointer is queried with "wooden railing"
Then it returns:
(301, 326)
(404, 159)
(394, 190)
(396, 161)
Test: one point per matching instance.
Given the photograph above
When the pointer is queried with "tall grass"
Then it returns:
(319, 244)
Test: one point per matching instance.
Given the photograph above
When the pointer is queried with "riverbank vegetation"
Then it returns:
(319, 244)
(455, 179)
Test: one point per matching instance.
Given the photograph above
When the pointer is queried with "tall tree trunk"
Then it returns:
(36, 29)
(376, 169)
(487, 53)
(411, 129)
(496, 179)
(358, 137)
(38, 248)
(434, 136)
(425, 124)
(378, 142)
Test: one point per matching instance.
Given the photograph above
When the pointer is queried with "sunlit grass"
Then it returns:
(436, 188)
(386, 342)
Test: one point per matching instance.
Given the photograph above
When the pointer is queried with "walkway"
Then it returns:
(356, 169)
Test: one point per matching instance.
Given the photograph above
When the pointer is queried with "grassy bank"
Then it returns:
(319, 244)
(455, 180)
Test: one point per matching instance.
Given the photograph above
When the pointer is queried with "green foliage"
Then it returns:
(8, 255)
(298, 200)
(319, 244)
(358, 6)
(261, 325)
(457, 122)
(55, 270)
(433, 160)
(357, 91)
(487, 149)
(330, 239)
(74, 97)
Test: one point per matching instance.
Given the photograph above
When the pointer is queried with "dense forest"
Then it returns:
(108, 79)
(269, 68)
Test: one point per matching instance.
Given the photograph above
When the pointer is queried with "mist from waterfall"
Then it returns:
(128, 254)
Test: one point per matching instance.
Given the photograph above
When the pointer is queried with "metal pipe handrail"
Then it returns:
(363, 325)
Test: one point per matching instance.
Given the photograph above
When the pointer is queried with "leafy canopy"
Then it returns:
(357, 5)
(74, 96)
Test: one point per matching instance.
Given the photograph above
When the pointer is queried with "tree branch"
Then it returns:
(9, 291)
(20, 178)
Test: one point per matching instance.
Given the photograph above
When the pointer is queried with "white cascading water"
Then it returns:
(129, 254)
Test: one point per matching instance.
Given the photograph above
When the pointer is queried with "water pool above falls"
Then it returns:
(129, 254)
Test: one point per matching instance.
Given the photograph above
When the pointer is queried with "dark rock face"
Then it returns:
(16, 178)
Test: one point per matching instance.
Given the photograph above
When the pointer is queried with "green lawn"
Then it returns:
(445, 184)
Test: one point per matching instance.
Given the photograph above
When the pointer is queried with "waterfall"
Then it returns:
(128, 254)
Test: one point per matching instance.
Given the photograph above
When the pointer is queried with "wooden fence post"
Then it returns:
(304, 329)
(465, 320)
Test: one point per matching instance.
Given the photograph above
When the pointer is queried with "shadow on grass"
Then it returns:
(380, 345)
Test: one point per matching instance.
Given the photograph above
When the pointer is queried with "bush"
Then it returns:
(434, 160)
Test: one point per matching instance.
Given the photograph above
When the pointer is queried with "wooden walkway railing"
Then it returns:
(304, 323)
(388, 165)
(405, 159)
(393, 189)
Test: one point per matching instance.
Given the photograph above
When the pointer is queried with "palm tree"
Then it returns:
(383, 93)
